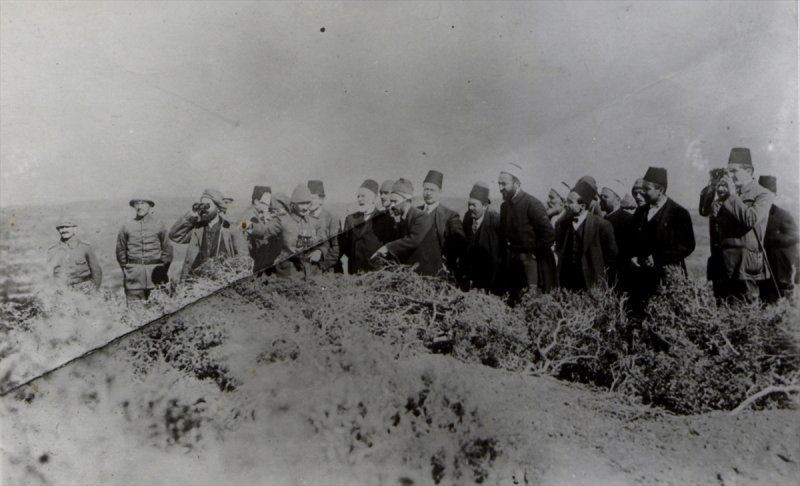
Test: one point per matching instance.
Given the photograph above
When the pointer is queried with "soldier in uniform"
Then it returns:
(72, 262)
(584, 242)
(208, 233)
(328, 226)
(416, 241)
(528, 235)
(480, 266)
(144, 252)
(446, 222)
(780, 243)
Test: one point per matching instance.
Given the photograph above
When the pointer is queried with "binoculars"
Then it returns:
(304, 242)
(200, 207)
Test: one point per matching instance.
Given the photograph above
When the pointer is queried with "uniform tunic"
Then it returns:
(144, 253)
(73, 262)
(328, 228)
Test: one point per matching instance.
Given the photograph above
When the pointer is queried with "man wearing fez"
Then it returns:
(662, 237)
(555, 206)
(328, 226)
(144, 252)
(72, 262)
(620, 220)
(528, 235)
(446, 222)
(365, 230)
(584, 242)
(482, 260)
(263, 251)
(780, 243)
(208, 233)
(416, 242)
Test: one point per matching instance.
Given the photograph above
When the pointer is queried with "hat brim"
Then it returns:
(134, 201)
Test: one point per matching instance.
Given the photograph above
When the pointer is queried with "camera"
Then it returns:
(717, 174)
(200, 207)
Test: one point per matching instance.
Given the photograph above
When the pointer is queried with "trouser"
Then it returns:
(523, 273)
(139, 294)
(728, 289)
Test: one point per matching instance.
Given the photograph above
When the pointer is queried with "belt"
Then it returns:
(139, 261)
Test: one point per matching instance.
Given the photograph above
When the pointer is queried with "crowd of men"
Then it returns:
(593, 236)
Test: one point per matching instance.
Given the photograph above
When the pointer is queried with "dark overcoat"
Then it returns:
(483, 254)
(780, 242)
(599, 248)
(417, 243)
(673, 238)
(449, 234)
(362, 237)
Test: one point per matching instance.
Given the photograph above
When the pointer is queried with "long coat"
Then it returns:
(526, 229)
(188, 230)
(621, 222)
(741, 241)
(263, 250)
(449, 234)
(362, 237)
(144, 253)
(483, 255)
(417, 243)
(780, 242)
(599, 249)
(673, 238)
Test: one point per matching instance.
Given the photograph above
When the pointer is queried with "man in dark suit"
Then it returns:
(480, 265)
(780, 243)
(528, 235)
(611, 204)
(416, 241)
(584, 242)
(365, 230)
(663, 237)
(446, 222)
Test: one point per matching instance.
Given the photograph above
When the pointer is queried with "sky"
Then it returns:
(111, 100)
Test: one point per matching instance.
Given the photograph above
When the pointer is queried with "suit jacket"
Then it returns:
(483, 257)
(449, 234)
(673, 238)
(599, 249)
(417, 243)
(362, 237)
(780, 242)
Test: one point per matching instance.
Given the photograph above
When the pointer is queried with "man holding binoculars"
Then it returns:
(208, 233)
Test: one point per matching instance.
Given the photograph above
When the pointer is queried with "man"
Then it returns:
(584, 242)
(416, 240)
(555, 206)
(144, 252)
(528, 235)
(208, 233)
(620, 220)
(263, 251)
(662, 237)
(446, 222)
(780, 243)
(482, 260)
(637, 193)
(328, 226)
(365, 230)
(72, 262)
(386, 193)
(594, 207)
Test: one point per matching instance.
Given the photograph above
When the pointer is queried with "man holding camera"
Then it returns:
(144, 252)
(739, 210)
(208, 233)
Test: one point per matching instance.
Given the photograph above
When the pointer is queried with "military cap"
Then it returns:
(387, 185)
(65, 223)
(371, 185)
(403, 187)
(769, 182)
(301, 194)
(216, 196)
(135, 199)
(741, 156)
(434, 177)
(656, 175)
(316, 188)
(259, 191)
(480, 191)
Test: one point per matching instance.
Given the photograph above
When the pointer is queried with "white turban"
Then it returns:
(513, 169)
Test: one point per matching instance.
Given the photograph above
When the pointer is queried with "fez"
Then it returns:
(371, 185)
(387, 185)
(259, 191)
(585, 191)
(301, 194)
(656, 175)
(553, 193)
(741, 156)
(480, 191)
(316, 188)
(216, 196)
(403, 187)
(135, 199)
(279, 198)
(513, 169)
(769, 182)
(589, 180)
(434, 177)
